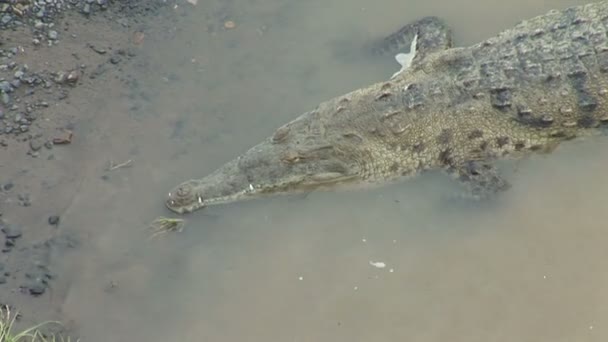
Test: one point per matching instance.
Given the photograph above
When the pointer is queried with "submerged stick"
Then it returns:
(118, 166)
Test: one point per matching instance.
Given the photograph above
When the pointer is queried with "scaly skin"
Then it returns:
(458, 109)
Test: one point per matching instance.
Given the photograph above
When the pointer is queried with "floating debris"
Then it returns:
(113, 166)
(163, 225)
(377, 264)
(229, 25)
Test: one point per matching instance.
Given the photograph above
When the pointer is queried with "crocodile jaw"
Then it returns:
(266, 169)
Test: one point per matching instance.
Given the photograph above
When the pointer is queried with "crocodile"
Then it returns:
(457, 109)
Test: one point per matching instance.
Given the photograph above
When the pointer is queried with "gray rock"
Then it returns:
(53, 35)
(35, 144)
(10, 231)
(6, 99)
(7, 18)
(36, 287)
(54, 220)
(5, 86)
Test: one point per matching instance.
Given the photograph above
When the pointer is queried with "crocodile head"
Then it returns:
(266, 169)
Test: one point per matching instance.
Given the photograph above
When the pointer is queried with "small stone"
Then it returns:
(547, 119)
(73, 76)
(10, 231)
(36, 287)
(53, 35)
(6, 19)
(35, 144)
(5, 98)
(5, 86)
(8, 186)
(54, 220)
(99, 50)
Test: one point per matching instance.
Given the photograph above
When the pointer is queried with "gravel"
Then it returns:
(25, 93)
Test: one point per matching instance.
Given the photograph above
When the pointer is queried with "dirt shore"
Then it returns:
(54, 56)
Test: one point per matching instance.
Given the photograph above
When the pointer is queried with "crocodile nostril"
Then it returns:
(183, 191)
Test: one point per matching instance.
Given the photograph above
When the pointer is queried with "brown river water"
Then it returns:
(530, 265)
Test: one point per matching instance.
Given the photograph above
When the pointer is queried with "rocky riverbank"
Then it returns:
(48, 49)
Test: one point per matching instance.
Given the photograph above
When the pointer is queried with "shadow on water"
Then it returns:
(529, 266)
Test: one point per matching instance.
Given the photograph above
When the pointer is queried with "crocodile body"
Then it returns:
(458, 109)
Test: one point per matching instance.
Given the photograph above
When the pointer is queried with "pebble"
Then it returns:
(54, 220)
(36, 287)
(5, 86)
(10, 231)
(24, 199)
(35, 144)
(6, 19)
(5, 98)
(37, 279)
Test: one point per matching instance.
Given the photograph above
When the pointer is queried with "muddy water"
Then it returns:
(529, 266)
